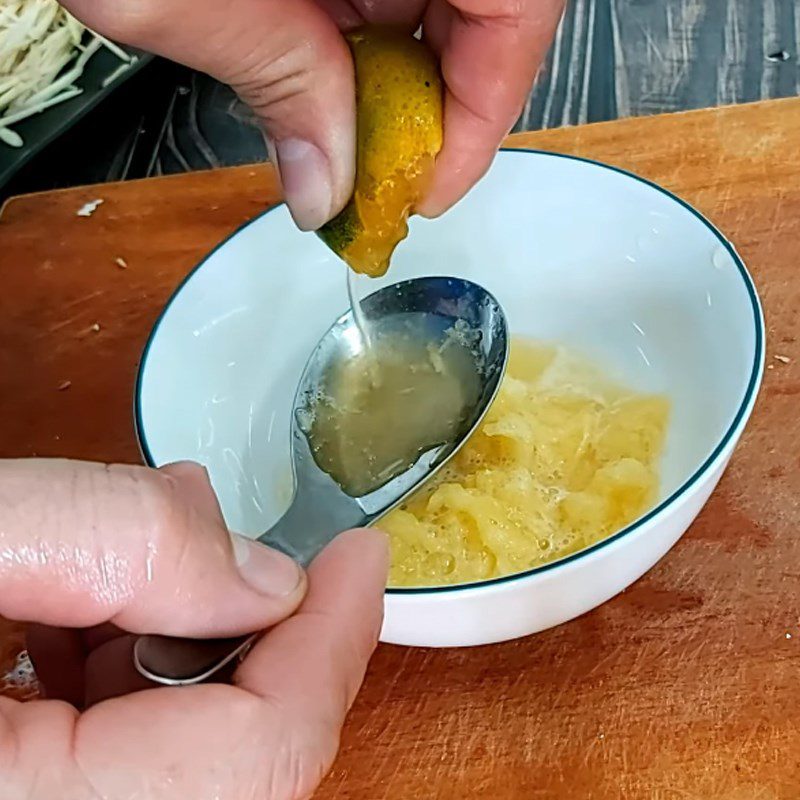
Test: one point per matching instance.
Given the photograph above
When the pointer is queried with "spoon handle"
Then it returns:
(314, 519)
(172, 661)
(303, 531)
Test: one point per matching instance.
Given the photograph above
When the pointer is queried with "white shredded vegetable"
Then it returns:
(43, 53)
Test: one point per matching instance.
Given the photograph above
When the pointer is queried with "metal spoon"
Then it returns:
(320, 509)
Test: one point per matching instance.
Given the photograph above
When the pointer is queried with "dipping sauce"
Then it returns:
(409, 390)
(563, 459)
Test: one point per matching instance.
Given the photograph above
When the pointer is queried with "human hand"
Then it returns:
(107, 549)
(290, 63)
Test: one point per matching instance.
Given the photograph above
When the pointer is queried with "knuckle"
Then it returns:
(300, 747)
(131, 21)
(300, 763)
(161, 514)
(492, 9)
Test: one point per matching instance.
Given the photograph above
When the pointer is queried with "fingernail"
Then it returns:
(265, 570)
(306, 177)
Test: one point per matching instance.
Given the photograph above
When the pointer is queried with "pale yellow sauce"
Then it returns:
(384, 407)
(563, 459)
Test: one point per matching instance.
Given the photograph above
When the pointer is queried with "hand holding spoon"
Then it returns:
(463, 331)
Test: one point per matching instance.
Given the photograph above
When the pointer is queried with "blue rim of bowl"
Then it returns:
(742, 412)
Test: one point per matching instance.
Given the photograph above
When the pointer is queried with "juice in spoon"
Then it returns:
(410, 390)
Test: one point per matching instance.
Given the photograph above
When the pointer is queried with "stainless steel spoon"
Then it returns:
(320, 509)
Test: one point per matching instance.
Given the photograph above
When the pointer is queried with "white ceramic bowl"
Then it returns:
(576, 252)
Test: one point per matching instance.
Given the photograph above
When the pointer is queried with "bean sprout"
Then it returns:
(43, 53)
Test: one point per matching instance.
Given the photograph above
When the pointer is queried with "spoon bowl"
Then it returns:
(320, 508)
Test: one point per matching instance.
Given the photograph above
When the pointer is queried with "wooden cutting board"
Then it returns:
(685, 686)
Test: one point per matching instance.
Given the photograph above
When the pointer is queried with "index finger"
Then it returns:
(315, 661)
(490, 53)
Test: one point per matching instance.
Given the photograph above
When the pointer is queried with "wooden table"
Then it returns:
(685, 686)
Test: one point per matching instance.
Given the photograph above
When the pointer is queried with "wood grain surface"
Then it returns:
(623, 58)
(683, 687)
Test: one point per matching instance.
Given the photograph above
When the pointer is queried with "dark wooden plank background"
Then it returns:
(612, 58)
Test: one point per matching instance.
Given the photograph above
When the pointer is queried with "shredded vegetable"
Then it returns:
(43, 53)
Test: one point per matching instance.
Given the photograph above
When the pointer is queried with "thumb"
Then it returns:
(286, 59)
(83, 544)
